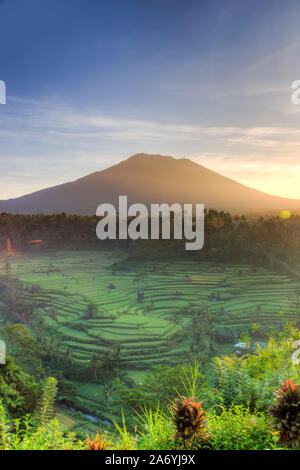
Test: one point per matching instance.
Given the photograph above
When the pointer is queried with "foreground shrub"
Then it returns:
(155, 430)
(251, 380)
(45, 406)
(98, 442)
(237, 428)
(22, 435)
(189, 419)
(49, 437)
(125, 441)
(286, 414)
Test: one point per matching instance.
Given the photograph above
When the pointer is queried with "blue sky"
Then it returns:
(91, 82)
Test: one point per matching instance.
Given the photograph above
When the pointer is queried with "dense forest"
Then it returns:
(260, 240)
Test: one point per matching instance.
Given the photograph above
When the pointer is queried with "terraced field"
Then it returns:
(156, 329)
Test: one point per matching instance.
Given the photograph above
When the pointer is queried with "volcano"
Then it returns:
(150, 179)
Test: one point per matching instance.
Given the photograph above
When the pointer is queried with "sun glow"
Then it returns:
(285, 214)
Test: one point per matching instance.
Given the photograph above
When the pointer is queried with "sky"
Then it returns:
(92, 82)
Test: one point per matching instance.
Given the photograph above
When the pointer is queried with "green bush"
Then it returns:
(18, 390)
(22, 435)
(251, 380)
(156, 431)
(239, 429)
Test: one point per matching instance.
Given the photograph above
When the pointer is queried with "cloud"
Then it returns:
(49, 142)
(55, 121)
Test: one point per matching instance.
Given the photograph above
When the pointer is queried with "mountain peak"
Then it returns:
(158, 158)
(149, 178)
(149, 157)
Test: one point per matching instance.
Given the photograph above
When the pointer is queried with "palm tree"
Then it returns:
(96, 363)
(117, 355)
(107, 360)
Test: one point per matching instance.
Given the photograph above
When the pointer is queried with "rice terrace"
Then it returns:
(135, 315)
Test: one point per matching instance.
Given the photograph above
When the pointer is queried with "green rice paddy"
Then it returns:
(156, 330)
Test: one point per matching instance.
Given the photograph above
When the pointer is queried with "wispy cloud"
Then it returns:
(57, 121)
(50, 142)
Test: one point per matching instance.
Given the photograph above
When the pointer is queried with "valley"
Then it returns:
(124, 317)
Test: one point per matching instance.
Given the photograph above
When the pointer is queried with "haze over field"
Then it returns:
(149, 179)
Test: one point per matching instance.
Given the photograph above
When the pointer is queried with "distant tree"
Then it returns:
(92, 310)
(96, 364)
(107, 360)
(117, 356)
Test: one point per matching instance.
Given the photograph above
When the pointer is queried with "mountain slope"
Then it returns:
(148, 179)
